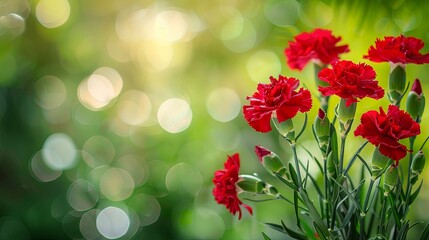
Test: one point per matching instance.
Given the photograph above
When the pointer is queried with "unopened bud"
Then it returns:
(397, 79)
(390, 180)
(322, 129)
(253, 184)
(379, 164)
(346, 113)
(272, 162)
(416, 101)
(417, 166)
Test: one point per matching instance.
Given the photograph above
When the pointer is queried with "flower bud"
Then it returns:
(322, 129)
(331, 166)
(379, 164)
(255, 185)
(417, 166)
(416, 101)
(390, 180)
(272, 162)
(285, 128)
(346, 113)
(397, 81)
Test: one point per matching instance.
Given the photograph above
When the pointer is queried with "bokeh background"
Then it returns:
(115, 114)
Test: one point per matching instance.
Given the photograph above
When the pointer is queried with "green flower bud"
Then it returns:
(322, 129)
(390, 180)
(345, 114)
(397, 79)
(379, 164)
(417, 166)
(416, 101)
(285, 128)
(331, 166)
(272, 162)
(253, 184)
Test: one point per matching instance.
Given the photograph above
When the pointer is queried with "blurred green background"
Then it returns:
(116, 113)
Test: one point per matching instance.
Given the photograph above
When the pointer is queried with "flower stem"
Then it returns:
(295, 158)
(409, 185)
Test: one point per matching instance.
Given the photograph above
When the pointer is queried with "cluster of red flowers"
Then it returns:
(282, 100)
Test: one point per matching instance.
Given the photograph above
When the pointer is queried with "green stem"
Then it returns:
(298, 172)
(327, 190)
(409, 185)
(342, 150)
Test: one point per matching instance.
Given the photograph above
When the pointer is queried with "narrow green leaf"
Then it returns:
(403, 231)
(314, 158)
(350, 195)
(316, 186)
(303, 127)
(294, 234)
(415, 193)
(265, 236)
(293, 175)
(314, 214)
(296, 204)
(289, 184)
(276, 227)
(425, 233)
(348, 216)
(334, 143)
(364, 163)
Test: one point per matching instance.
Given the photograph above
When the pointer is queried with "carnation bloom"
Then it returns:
(385, 130)
(350, 81)
(279, 96)
(319, 46)
(225, 190)
(399, 50)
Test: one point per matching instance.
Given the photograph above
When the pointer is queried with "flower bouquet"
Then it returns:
(373, 204)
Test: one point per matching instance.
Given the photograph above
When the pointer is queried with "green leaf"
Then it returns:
(314, 214)
(265, 236)
(425, 233)
(334, 144)
(303, 127)
(276, 227)
(415, 193)
(293, 175)
(294, 234)
(296, 204)
(314, 158)
(289, 184)
(403, 231)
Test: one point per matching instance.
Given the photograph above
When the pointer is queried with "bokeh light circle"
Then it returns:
(147, 208)
(12, 23)
(263, 64)
(52, 13)
(98, 90)
(223, 104)
(59, 152)
(50, 92)
(82, 195)
(112, 222)
(116, 184)
(98, 151)
(41, 171)
(87, 225)
(134, 107)
(174, 115)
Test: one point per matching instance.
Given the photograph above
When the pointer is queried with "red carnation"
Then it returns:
(225, 190)
(385, 130)
(318, 46)
(279, 97)
(398, 50)
(350, 81)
